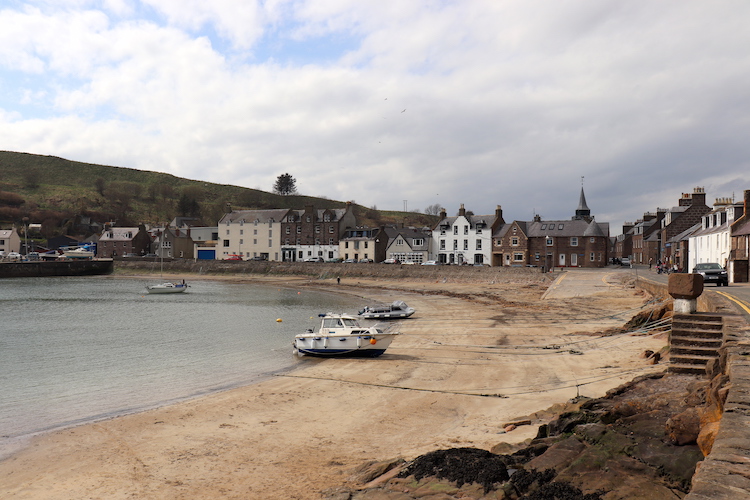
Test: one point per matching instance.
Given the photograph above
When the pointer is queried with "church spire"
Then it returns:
(582, 212)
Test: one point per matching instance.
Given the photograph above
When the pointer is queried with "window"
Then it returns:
(559, 227)
(479, 244)
(330, 229)
(574, 241)
(442, 244)
(270, 233)
(479, 230)
(455, 244)
(227, 233)
(418, 242)
(226, 243)
(299, 229)
(455, 229)
(270, 243)
(366, 244)
(466, 244)
(288, 230)
(518, 257)
(549, 241)
(466, 229)
(592, 239)
(544, 226)
(514, 241)
(317, 229)
(330, 242)
(591, 258)
(346, 244)
(327, 218)
(307, 218)
(536, 256)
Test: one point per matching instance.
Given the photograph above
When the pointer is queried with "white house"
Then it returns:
(250, 233)
(10, 241)
(465, 238)
(712, 242)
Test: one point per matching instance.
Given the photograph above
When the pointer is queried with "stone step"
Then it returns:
(698, 330)
(707, 317)
(693, 351)
(690, 359)
(686, 369)
(684, 340)
(698, 334)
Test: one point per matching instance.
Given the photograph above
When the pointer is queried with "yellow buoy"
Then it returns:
(278, 320)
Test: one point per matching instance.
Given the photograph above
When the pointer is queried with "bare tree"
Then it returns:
(433, 209)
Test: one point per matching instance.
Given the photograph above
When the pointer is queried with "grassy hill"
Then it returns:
(53, 191)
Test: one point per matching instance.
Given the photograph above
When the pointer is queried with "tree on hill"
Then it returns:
(285, 185)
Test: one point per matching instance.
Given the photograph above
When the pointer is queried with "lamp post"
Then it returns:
(26, 235)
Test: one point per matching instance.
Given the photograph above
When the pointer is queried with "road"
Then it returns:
(737, 293)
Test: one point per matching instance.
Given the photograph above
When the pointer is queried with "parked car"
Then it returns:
(314, 259)
(391, 261)
(430, 263)
(625, 261)
(13, 255)
(350, 261)
(233, 256)
(365, 261)
(712, 273)
(258, 258)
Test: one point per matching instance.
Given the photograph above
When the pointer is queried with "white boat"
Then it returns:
(342, 335)
(167, 287)
(397, 309)
(78, 253)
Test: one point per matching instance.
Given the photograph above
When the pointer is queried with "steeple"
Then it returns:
(582, 212)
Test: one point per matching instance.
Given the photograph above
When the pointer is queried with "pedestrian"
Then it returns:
(650, 261)
(338, 281)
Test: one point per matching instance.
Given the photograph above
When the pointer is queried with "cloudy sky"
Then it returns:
(394, 103)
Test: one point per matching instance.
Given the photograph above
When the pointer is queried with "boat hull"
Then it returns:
(387, 315)
(166, 288)
(342, 345)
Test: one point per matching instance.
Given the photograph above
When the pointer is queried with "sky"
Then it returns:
(394, 104)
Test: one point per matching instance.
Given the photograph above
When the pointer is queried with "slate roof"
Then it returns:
(250, 216)
(119, 234)
(564, 228)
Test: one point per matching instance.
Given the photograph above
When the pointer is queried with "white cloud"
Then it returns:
(506, 102)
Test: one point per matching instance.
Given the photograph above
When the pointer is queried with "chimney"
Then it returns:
(647, 216)
(462, 211)
(537, 218)
(228, 208)
(443, 214)
(626, 227)
(699, 196)
(499, 214)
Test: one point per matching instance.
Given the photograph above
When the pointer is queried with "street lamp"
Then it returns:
(26, 235)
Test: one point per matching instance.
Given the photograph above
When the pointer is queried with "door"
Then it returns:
(574, 259)
(561, 260)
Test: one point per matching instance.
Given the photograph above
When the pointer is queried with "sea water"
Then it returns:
(78, 349)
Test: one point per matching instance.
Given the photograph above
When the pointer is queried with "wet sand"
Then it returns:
(474, 357)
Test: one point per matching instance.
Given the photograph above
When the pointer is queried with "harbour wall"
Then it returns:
(55, 268)
(725, 472)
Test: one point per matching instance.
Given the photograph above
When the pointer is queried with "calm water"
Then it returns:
(74, 350)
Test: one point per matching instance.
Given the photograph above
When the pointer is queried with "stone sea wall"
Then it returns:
(725, 419)
(338, 270)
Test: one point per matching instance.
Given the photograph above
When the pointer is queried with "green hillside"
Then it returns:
(52, 191)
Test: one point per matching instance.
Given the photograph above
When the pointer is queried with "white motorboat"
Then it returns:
(167, 287)
(342, 335)
(397, 309)
(78, 253)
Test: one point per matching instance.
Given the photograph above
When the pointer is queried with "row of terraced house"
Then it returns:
(691, 233)
(688, 233)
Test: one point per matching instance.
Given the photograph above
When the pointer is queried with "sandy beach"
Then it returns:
(477, 355)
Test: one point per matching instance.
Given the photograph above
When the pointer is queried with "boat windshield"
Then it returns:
(350, 322)
(339, 322)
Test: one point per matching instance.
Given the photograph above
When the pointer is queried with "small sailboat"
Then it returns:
(166, 286)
